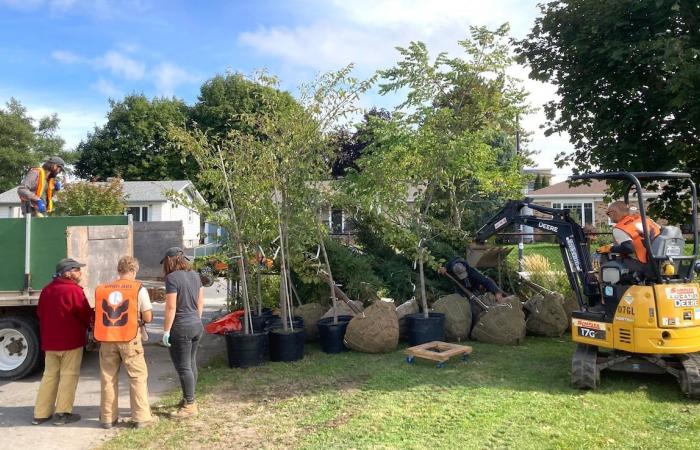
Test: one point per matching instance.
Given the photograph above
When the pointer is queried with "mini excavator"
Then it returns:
(628, 320)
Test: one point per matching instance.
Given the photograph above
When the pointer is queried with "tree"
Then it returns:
(350, 145)
(24, 144)
(442, 149)
(134, 143)
(628, 85)
(91, 199)
(538, 184)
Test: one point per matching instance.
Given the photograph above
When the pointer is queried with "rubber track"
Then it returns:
(691, 369)
(584, 370)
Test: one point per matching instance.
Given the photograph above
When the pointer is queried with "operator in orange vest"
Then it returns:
(121, 307)
(628, 235)
(39, 185)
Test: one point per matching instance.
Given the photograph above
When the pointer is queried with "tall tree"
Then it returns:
(24, 142)
(627, 81)
(134, 143)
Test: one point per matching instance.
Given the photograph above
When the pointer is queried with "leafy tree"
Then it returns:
(350, 145)
(24, 144)
(91, 199)
(134, 143)
(628, 85)
(538, 182)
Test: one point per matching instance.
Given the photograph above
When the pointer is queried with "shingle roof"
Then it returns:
(597, 187)
(134, 191)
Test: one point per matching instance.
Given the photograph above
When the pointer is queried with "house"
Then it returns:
(146, 201)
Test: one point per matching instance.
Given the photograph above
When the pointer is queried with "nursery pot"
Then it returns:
(275, 322)
(287, 346)
(422, 330)
(331, 335)
(247, 350)
(260, 321)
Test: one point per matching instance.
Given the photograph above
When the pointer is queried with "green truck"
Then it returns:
(31, 247)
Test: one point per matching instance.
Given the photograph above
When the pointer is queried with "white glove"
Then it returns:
(166, 338)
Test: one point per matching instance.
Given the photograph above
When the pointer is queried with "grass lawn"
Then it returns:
(505, 397)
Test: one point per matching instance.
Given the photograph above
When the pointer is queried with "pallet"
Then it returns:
(438, 351)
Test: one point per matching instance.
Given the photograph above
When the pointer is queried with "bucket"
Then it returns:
(287, 346)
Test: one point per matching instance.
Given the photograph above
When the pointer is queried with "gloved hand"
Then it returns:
(166, 338)
(604, 248)
(40, 206)
(57, 185)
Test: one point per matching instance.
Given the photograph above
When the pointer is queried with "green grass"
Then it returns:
(505, 397)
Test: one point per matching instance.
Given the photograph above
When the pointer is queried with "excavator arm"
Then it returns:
(572, 243)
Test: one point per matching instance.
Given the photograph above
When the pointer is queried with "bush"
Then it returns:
(91, 199)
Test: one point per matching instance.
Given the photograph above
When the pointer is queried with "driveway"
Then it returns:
(17, 397)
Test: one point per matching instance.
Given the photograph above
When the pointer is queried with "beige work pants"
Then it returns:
(58, 384)
(112, 355)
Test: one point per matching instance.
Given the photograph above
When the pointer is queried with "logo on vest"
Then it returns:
(115, 315)
(115, 298)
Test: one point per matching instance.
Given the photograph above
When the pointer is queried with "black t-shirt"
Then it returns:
(186, 284)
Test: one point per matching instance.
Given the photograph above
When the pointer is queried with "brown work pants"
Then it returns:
(59, 382)
(112, 354)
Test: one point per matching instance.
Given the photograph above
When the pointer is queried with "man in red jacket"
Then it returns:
(64, 316)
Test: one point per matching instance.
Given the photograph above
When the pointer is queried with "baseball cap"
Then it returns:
(174, 251)
(56, 160)
(460, 271)
(67, 264)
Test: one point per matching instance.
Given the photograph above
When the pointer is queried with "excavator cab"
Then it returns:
(632, 317)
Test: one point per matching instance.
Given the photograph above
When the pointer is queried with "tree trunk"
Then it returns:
(424, 299)
(331, 283)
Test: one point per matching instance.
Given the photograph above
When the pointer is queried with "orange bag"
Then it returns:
(223, 325)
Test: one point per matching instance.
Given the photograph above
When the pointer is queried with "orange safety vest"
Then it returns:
(49, 188)
(116, 311)
(628, 224)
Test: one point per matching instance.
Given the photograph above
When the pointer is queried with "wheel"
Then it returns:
(19, 346)
(584, 367)
(689, 378)
(441, 365)
(465, 357)
(409, 359)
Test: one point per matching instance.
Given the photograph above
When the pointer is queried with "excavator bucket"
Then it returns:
(484, 255)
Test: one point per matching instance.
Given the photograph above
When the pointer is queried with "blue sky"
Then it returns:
(71, 56)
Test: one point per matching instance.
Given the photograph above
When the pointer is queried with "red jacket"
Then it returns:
(64, 315)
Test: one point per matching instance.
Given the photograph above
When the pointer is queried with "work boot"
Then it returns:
(109, 425)
(64, 418)
(139, 425)
(40, 420)
(185, 411)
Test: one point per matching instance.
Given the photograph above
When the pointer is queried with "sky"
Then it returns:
(71, 56)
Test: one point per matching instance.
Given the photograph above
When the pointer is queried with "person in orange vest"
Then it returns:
(39, 185)
(628, 235)
(121, 308)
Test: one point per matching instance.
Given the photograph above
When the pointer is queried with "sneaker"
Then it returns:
(139, 425)
(64, 418)
(40, 420)
(109, 425)
(185, 411)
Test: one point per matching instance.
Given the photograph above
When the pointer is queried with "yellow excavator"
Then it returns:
(629, 320)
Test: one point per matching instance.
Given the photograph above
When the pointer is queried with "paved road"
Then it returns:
(17, 397)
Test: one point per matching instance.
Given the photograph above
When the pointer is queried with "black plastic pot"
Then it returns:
(260, 321)
(331, 335)
(287, 346)
(422, 330)
(247, 350)
(275, 322)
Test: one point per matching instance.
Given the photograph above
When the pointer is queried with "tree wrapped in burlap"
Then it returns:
(547, 316)
(570, 305)
(311, 313)
(376, 330)
(502, 323)
(403, 311)
(344, 309)
(458, 316)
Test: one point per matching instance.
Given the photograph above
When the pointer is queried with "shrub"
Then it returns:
(91, 199)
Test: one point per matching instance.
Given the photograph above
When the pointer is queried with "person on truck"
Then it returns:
(39, 185)
(64, 316)
(121, 307)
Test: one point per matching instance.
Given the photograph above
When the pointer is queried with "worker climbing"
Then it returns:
(39, 185)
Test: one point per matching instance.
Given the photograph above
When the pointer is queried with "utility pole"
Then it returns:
(521, 244)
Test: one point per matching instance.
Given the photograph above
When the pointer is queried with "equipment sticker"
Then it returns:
(590, 329)
(683, 296)
(500, 223)
(588, 324)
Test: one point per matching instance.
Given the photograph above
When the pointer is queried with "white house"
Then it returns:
(146, 201)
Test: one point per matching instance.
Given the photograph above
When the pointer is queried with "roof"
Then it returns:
(134, 191)
(597, 187)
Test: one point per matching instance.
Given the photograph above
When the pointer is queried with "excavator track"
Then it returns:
(690, 376)
(584, 367)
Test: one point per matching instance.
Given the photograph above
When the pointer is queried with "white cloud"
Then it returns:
(66, 57)
(168, 76)
(107, 88)
(122, 65)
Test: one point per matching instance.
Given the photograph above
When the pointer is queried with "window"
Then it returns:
(581, 212)
(336, 221)
(139, 213)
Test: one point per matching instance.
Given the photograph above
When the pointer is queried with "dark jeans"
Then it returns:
(184, 341)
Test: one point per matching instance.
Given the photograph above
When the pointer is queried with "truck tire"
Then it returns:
(19, 346)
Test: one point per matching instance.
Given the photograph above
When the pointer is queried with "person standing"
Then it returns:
(121, 307)
(39, 185)
(182, 325)
(64, 316)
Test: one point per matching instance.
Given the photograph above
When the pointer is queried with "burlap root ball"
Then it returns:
(402, 311)
(547, 316)
(458, 316)
(311, 313)
(375, 331)
(343, 309)
(501, 324)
